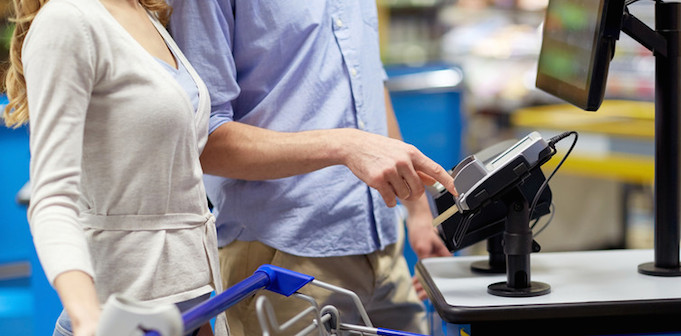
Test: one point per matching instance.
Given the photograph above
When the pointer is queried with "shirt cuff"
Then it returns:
(220, 114)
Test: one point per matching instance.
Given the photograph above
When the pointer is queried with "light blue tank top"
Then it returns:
(185, 80)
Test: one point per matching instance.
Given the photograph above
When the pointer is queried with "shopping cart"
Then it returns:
(125, 317)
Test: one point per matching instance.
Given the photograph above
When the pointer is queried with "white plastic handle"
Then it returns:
(125, 317)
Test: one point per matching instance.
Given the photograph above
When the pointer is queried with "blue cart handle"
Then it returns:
(272, 278)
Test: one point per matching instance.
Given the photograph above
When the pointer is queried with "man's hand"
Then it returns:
(426, 244)
(394, 168)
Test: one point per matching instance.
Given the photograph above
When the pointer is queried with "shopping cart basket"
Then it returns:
(125, 317)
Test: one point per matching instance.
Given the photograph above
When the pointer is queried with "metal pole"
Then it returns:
(667, 144)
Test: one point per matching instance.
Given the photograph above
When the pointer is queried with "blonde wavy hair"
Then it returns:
(16, 112)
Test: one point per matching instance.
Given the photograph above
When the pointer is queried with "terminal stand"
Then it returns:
(496, 262)
(504, 221)
(517, 245)
(501, 212)
(497, 259)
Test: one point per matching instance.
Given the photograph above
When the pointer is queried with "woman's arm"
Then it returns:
(58, 63)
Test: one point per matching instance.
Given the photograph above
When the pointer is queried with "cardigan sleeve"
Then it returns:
(59, 68)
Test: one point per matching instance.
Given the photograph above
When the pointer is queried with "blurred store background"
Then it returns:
(461, 74)
(603, 193)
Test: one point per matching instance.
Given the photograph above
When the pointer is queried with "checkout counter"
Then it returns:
(592, 293)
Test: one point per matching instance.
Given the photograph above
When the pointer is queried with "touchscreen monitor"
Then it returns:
(577, 45)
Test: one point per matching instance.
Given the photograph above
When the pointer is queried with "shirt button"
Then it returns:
(353, 72)
(339, 23)
(360, 123)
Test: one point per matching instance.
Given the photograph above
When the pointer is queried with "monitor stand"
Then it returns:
(665, 43)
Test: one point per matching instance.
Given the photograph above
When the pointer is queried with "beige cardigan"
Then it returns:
(116, 181)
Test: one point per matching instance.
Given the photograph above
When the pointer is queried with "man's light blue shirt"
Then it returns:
(292, 66)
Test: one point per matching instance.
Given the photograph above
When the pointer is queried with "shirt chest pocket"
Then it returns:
(294, 17)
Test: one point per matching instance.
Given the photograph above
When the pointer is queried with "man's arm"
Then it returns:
(241, 151)
(392, 167)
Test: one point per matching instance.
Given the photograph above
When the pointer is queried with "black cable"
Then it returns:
(553, 212)
(629, 2)
(552, 144)
(559, 137)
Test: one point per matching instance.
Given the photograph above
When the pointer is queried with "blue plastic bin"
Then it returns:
(28, 304)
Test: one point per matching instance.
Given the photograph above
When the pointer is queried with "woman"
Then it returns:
(118, 119)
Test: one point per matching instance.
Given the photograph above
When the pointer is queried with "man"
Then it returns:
(297, 88)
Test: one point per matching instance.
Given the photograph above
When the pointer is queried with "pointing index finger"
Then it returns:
(431, 172)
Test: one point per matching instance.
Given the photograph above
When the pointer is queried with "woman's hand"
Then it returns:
(78, 296)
